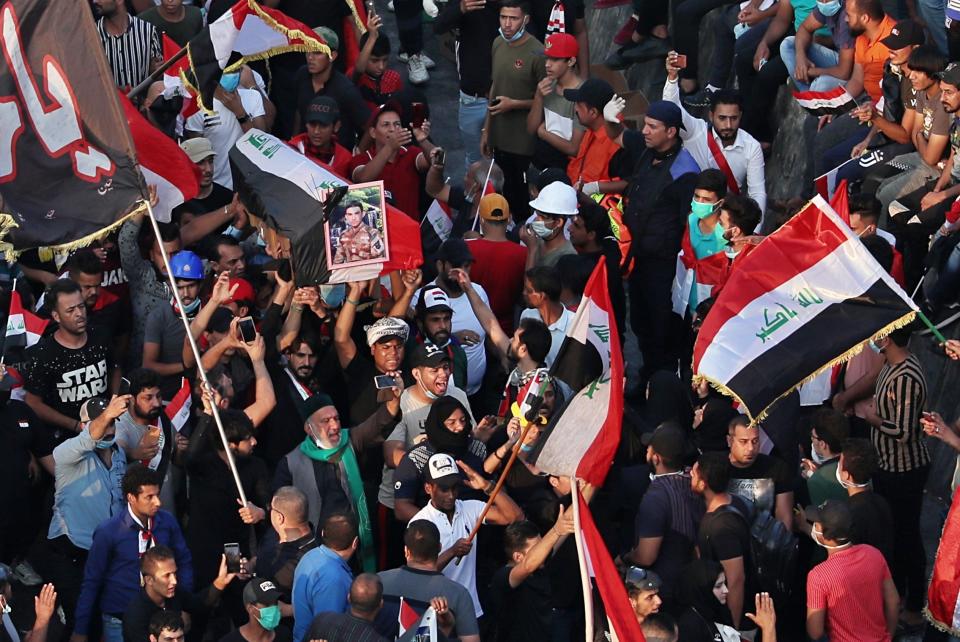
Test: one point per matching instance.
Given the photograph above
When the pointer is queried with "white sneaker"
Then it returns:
(417, 70)
(403, 56)
(26, 575)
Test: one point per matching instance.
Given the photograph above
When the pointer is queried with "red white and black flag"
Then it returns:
(67, 168)
(823, 103)
(943, 595)
(248, 31)
(580, 440)
(706, 275)
(807, 297)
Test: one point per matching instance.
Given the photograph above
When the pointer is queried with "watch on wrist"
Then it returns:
(244, 119)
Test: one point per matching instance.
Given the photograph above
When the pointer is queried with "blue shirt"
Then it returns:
(112, 572)
(87, 491)
(321, 583)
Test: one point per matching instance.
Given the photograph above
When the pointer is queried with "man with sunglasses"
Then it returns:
(643, 591)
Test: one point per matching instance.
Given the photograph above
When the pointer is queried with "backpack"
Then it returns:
(773, 550)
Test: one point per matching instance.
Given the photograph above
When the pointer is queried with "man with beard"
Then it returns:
(455, 255)
(719, 142)
(325, 466)
(107, 315)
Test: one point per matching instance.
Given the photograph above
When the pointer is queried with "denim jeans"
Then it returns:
(727, 46)
(112, 629)
(933, 13)
(472, 113)
(820, 56)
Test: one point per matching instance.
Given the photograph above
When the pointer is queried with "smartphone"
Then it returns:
(418, 114)
(124, 387)
(680, 62)
(371, 10)
(248, 330)
(441, 156)
(494, 102)
(232, 551)
(382, 382)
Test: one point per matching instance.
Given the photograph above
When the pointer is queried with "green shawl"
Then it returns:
(344, 451)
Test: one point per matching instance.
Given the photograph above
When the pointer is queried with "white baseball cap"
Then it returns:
(443, 469)
(556, 199)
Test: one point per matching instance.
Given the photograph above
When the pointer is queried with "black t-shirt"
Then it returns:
(523, 613)
(281, 634)
(761, 482)
(20, 435)
(354, 112)
(872, 523)
(64, 377)
(218, 197)
(725, 535)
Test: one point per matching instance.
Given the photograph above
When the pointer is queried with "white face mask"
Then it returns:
(847, 484)
(817, 535)
(817, 458)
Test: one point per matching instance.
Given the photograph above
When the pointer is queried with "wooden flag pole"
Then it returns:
(231, 463)
(581, 555)
(157, 73)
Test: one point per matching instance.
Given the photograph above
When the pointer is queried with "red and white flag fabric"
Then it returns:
(824, 103)
(162, 162)
(807, 297)
(178, 410)
(826, 184)
(248, 31)
(172, 83)
(407, 617)
(24, 328)
(707, 275)
(580, 441)
(943, 594)
(435, 227)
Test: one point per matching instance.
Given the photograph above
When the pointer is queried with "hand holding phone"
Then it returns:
(383, 382)
(232, 551)
(124, 387)
(247, 330)
(418, 114)
(680, 62)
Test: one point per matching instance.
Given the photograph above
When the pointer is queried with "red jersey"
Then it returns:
(401, 180)
(377, 91)
(337, 161)
(499, 267)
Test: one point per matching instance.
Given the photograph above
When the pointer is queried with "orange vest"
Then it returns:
(593, 158)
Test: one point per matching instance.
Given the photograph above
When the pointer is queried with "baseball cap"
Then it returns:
(433, 299)
(642, 579)
(904, 34)
(834, 517)
(669, 441)
(951, 75)
(428, 355)
(556, 199)
(244, 292)
(387, 328)
(561, 45)
(197, 149)
(594, 92)
(455, 252)
(494, 207)
(261, 591)
(666, 112)
(329, 36)
(442, 469)
(93, 408)
(323, 110)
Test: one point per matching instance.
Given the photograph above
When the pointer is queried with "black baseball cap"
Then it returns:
(669, 441)
(834, 517)
(666, 112)
(455, 252)
(323, 110)
(261, 591)
(594, 92)
(951, 75)
(428, 355)
(905, 33)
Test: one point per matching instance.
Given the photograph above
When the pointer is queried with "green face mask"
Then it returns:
(702, 210)
(269, 617)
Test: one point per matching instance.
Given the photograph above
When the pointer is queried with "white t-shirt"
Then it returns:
(222, 129)
(465, 516)
(558, 330)
(465, 319)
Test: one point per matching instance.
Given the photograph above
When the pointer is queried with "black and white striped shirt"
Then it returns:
(900, 394)
(129, 54)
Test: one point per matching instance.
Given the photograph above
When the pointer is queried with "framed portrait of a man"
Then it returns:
(356, 231)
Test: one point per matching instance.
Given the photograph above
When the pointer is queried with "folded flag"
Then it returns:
(707, 275)
(435, 227)
(178, 410)
(807, 297)
(248, 31)
(943, 594)
(162, 163)
(283, 188)
(581, 439)
(825, 103)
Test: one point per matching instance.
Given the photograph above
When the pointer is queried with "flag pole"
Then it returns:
(483, 188)
(933, 328)
(231, 463)
(157, 73)
(581, 555)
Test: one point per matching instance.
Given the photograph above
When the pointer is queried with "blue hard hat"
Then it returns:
(186, 265)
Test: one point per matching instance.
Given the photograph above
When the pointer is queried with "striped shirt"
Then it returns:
(899, 396)
(849, 587)
(129, 54)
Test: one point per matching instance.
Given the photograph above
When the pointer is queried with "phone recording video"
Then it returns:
(247, 330)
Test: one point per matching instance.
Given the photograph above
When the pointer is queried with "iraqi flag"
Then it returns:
(943, 594)
(580, 441)
(248, 31)
(172, 82)
(435, 227)
(706, 275)
(806, 298)
(826, 103)
(826, 184)
(282, 188)
(178, 410)
(162, 163)
(24, 328)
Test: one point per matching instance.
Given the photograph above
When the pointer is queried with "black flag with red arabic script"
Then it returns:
(67, 165)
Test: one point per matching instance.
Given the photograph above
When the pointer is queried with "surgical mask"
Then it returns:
(874, 347)
(105, 444)
(516, 36)
(430, 395)
(269, 617)
(847, 484)
(829, 8)
(718, 233)
(817, 458)
(702, 210)
(192, 307)
(817, 535)
(540, 229)
(333, 295)
(6, 608)
(230, 81)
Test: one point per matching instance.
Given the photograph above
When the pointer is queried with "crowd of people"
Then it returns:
(327, 461)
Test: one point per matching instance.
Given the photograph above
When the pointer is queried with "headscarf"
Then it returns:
(439, 435)
(696, 591)
(668, 400)
(711, 434)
